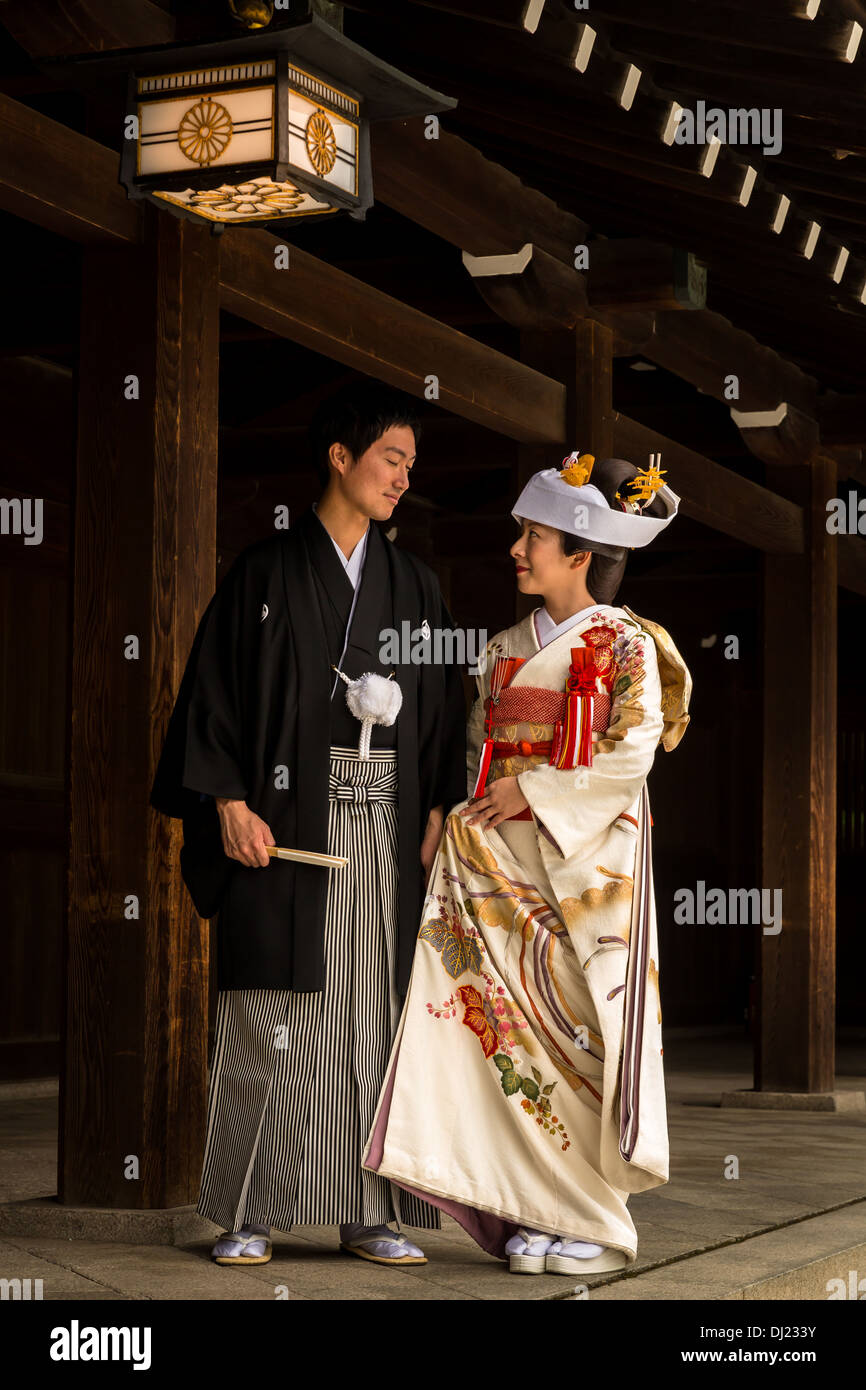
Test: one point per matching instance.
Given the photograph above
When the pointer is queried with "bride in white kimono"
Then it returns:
(525, 1090)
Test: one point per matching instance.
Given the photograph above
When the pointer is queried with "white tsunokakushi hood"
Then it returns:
(553, 498)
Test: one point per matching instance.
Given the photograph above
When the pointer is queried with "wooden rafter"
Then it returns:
(498, 210)
(600, 132)
(330, 312)
(828, 35)
(61, 180)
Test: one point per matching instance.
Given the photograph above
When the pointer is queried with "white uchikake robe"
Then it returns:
(520, 1117)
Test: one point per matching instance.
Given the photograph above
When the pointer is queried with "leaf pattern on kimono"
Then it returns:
(511, 1082)
(459, 952)
(477, 1017)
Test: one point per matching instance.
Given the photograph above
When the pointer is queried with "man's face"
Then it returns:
(375, 482)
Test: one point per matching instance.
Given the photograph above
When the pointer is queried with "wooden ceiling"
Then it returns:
(540, 89)
(576, 102)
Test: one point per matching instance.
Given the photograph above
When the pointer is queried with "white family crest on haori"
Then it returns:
(373, 700)
(265, 611)
(425, 630)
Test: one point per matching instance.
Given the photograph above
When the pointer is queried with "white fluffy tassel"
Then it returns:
(373, 700)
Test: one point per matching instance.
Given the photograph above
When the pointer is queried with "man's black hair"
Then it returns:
(356, 417)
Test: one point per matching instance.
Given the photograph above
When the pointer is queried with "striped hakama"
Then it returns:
(295, 1077)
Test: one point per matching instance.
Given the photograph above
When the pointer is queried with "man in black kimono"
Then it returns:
(262, 750)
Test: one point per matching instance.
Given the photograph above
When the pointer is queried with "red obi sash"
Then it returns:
(575, 713)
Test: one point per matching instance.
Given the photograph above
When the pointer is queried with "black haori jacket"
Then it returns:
(256, 697)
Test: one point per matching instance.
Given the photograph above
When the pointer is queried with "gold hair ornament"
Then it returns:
(644, 486)
(576, 469)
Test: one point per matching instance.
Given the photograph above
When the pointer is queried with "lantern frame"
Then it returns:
(306, 65)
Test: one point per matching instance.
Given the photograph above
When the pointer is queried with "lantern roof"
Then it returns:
(386, 92)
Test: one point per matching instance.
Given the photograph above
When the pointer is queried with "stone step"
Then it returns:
(798, 1261)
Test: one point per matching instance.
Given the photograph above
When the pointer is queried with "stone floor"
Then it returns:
(778, 1230)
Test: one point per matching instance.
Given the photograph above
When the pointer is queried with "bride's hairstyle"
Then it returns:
(607, 566)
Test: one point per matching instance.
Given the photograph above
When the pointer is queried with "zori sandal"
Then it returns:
(564, 1257)
(411, 1255)
(243, 1242)
(527, 1251)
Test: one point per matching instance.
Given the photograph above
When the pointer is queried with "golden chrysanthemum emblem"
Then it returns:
(258, 198)
(204, 131)
(321, 143)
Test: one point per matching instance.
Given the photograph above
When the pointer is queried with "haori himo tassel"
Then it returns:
(374, 700)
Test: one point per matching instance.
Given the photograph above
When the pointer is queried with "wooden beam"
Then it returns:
(797, 986)
(134, 1078)
(818, 76)
(713, 172)
(714, 495)
(593, 429)
(449, 187)
(533, 289)
(783, 436)
(827, 35)
(329, 312)
(631, 273)
(706, 348)
(60, 180)
(742, 86)
(529, 288)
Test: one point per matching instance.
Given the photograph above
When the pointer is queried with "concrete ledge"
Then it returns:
(844, 1272)
(796, 1261)
(839, 1102)
(45, 1216)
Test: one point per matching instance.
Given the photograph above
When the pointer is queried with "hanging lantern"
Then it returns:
(260, 127)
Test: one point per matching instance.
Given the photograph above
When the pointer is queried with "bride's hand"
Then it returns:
(502, 800)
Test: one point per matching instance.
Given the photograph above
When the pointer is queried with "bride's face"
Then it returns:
(540, 562)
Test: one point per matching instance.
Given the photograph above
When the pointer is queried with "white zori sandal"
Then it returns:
(385, 1247)
(582, 1257)
(243, 1241)
(527, 1251)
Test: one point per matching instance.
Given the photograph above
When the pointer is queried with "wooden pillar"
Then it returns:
(133, 1079)
(797, 966)
(581, 358)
